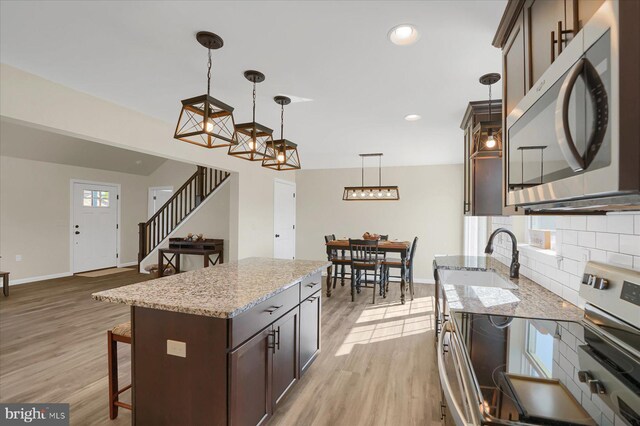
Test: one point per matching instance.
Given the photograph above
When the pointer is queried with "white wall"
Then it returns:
(614, 238)
(35, 208)
(430, 207)
(67, 111)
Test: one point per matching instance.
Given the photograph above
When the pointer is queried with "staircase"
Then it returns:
(183, 202)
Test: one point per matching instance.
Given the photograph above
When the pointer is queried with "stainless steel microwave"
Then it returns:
(574, 139)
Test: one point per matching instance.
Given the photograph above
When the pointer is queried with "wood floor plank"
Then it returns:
(376, 367)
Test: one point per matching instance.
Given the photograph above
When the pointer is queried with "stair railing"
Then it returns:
(177, 208)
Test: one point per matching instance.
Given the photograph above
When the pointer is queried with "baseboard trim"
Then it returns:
(127, 264)
(40, 278)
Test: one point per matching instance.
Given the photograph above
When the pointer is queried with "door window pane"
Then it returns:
(95, 198)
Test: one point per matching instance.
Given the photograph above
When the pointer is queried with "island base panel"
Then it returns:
(169, 389)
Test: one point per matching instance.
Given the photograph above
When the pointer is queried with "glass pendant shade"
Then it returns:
(282, 155)
(204, 120)
(207, 122)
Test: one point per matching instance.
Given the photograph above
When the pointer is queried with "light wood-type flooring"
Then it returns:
(377, 365)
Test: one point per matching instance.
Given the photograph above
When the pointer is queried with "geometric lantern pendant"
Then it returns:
(204, 120)
(253, 138)
(282, 154)
(487, 134)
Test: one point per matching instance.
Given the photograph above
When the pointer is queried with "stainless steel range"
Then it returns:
(510, 370)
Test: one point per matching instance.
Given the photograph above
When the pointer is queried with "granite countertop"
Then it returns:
(529, 299)
(221, 291)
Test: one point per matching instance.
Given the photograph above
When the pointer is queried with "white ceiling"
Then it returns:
(143, 55)
(39, 145)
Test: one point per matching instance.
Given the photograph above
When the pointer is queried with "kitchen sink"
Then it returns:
(475, 278)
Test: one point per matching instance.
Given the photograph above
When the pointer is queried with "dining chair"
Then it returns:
(338, 259)
(366, 258)
(397, 264)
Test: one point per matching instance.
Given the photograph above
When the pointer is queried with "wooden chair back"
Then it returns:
(364, 251)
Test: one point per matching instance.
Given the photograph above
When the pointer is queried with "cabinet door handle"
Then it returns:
(312, 285)
(312, 299)
(276, 338)
(272, 345)
(273, 309)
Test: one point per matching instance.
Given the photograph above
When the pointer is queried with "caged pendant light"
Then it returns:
(371, 193)
(282, 154)
(204, 120)
(253, 138)
(487, 134)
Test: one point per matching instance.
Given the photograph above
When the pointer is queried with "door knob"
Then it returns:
(277, 235)
(77, 232)
(77, 226)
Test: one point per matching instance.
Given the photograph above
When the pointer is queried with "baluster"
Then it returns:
(211, 187)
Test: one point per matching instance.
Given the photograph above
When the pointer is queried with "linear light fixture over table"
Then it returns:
(204, 120)
(282, 154)
(371, 193)
(253, 138)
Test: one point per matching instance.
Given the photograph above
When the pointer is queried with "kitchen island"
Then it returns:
(221, 345)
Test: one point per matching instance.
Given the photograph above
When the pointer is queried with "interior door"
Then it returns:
(158, 196)
(94, 232)
(284, 220)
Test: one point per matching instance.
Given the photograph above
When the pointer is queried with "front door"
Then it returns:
(94, 226)
(284, 220)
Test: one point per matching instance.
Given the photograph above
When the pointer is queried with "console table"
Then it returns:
(179, 246)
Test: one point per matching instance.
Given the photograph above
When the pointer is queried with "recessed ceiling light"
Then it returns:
(403, 35)
(412, 117)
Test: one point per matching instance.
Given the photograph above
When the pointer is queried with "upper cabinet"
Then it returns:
(532, 34)
(569, 117)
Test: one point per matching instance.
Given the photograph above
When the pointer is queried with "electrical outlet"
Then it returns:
(176, 348)
(18, 258)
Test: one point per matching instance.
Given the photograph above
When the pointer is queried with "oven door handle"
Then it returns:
(460, 417)
(565, 140)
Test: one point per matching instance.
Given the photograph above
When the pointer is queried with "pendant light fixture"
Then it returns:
(487, 134)
(253, 138)
(204, 120)
(282, 154)
(371, 193)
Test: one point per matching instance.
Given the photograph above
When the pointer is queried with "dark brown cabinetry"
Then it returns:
(231, 371)
(532, 34)
(309, 330)
(482, 166)
(250, 380)
(285, 352)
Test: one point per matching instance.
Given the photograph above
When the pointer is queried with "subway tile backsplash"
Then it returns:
(614, 238)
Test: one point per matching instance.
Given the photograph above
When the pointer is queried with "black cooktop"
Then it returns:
(548, 372)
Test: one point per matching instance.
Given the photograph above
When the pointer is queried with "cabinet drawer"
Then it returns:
(248, 323)
(310, 285)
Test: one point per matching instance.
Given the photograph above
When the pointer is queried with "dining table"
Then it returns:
(384, 246)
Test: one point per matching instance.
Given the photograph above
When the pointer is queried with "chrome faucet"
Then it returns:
(514, 269)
